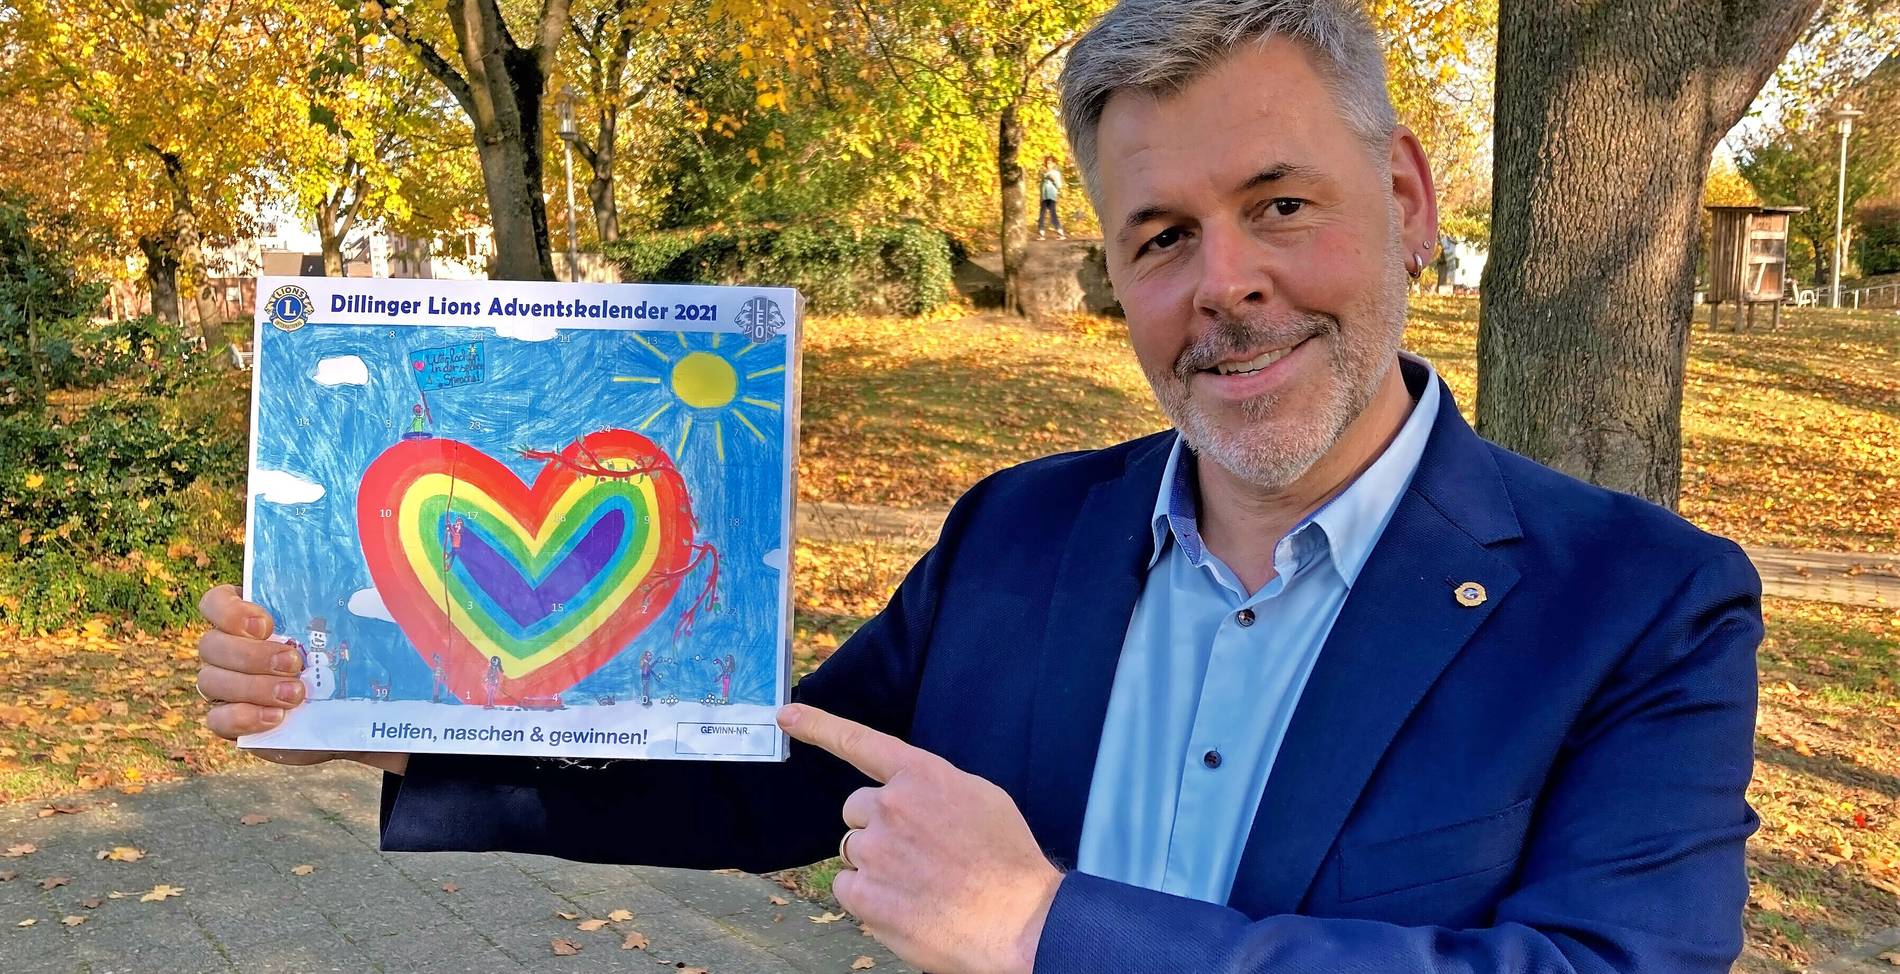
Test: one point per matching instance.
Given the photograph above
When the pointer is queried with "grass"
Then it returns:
(1790, 438)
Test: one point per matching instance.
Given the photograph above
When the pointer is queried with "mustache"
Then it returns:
(1231, 336)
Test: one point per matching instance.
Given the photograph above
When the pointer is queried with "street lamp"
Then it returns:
(565, 105)
(1844, 115)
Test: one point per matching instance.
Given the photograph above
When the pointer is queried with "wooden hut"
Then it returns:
(1748, 261)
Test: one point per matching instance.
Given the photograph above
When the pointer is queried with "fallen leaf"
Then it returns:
(121, 853)
(863, 963)
(727, 872)
(53, 882)
(18, 850)
(450, 888)
(591, 925)
(620, 916)
(694, 970)
(161, 893)
(302, 870)
(1891, 957)
(7, 875)
(26, 923)
(565, 915)
(73, 920)
(635, 941)
(564, 947)
(116, 895)
(130, 789)
(778, 901)
(827, 918)
(254, 818)
(92, 902)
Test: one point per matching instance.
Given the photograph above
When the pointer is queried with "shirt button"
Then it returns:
(1245, 618)
(1211, 759)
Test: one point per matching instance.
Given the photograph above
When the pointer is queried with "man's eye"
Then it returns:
(1163, 240)
(1287, 207)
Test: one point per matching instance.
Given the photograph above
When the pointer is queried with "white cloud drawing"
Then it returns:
(369, 604)
(342, 370)
(282, 487)
(526, 329)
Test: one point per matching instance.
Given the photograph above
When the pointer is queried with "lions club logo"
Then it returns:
(290, 307)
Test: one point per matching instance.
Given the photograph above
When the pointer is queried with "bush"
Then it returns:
(128, 501)
(901, 268)
(1878, 245)
(44, 306)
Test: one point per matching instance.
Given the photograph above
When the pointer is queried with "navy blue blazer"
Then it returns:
(1549, 781)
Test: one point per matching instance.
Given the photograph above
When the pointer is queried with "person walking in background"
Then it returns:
(1051, 191)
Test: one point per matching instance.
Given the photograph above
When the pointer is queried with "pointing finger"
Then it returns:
(873, 752)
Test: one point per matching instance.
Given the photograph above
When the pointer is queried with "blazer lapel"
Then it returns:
(1400, 627)
(1097, 582)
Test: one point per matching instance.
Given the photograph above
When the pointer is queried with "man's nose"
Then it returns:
(1234, 272)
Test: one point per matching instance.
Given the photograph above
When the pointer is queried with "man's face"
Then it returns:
(1259, 248)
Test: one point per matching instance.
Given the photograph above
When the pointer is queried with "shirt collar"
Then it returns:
(1350, 523)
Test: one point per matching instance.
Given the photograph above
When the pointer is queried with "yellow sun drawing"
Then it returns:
(705, 387)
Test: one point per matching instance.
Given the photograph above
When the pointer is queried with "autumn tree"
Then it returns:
(167, 111)
(1607, 114)
(618, 56)
(499, 83)
(1797, 162)
(992, 61)
(375, 119)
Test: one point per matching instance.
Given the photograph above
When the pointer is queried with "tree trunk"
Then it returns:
(500, 87)
(600, 191)
(510, 150)
(329, 240)
(1607, 113)
(1015, 236)
(161, 277)
(512, 177)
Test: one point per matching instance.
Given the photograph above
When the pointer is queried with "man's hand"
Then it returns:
(254, 682)
(947, 875)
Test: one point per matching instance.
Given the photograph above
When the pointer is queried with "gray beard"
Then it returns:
(1272, 457)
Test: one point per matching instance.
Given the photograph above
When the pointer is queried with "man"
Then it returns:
(1323, 683)
(1051, 191)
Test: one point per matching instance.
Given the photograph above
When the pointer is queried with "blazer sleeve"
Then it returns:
(1634, 861)
(753, 816)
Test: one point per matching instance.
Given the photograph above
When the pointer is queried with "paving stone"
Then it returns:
(362, 910)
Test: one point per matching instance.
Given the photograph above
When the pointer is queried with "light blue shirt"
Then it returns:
(1209, 676)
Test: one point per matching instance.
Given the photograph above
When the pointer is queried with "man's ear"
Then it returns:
(1413, 191)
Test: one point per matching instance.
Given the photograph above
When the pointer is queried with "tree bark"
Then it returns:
(1607, 113)
(600, 192)
(330, 241)
(161, 276)
(1015, 232)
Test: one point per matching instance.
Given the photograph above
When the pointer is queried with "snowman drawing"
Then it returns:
(319, 671)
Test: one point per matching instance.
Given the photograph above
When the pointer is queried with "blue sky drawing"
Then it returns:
(307, 562)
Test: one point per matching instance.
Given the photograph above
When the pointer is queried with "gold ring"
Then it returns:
(844, 854)
(213, 701)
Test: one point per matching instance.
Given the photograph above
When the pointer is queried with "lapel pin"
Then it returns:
(1469, 594)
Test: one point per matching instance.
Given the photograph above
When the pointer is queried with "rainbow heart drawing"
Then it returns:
(552, 580)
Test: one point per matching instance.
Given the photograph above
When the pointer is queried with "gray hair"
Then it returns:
(1162, 46)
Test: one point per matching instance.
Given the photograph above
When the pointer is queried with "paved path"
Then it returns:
(1816, 576)
(244, 910)
(1879, 953)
